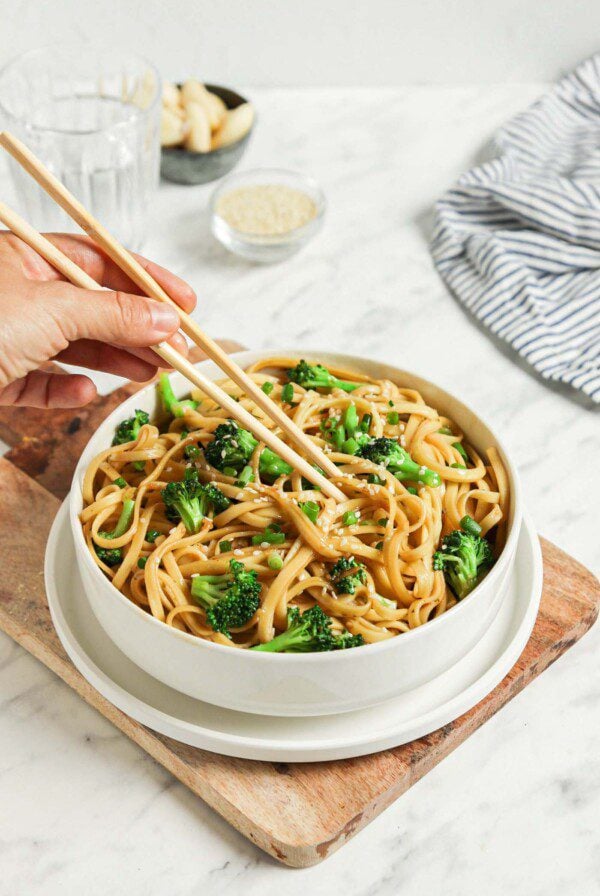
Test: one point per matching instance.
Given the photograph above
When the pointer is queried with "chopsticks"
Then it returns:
(150, 287)
(80, 278)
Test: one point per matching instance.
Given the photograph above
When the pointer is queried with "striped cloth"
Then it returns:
(517, 240)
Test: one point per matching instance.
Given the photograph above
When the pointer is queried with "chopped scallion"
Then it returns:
(310, 509)
(269, 536)
(275, 562)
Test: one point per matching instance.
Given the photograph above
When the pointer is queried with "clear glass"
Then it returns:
(92, 117)
(267, 249)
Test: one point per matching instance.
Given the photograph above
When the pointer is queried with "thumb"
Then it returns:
(115, 317)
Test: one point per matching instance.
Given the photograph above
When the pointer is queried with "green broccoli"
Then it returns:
(113, 556)
(309, 632)
(463, 557)
(229, 600)
(344, 433)
(212, 499)
(191, 500)
(347, 574)
(315, 376)
(390, 454)
(172, 405)
(232, 447)
(128, 430)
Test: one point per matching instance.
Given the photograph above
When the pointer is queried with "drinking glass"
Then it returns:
(92, 117)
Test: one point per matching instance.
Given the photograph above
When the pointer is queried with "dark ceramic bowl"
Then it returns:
(183, 167)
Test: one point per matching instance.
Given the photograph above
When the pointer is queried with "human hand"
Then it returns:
(44, 318)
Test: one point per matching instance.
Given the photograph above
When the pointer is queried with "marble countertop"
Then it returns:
(515, 809)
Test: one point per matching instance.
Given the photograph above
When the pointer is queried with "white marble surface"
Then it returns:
(516, 808)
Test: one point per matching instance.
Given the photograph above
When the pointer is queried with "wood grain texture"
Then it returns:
(298, 813)
(48, 444)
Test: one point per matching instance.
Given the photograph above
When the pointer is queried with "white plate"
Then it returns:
(271, 738)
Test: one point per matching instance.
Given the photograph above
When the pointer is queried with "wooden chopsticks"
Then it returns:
(137, 273)
(57, 191)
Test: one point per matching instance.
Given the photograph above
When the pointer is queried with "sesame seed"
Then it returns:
(238, 552)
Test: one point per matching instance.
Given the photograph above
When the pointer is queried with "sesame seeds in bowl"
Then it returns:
(267, 214)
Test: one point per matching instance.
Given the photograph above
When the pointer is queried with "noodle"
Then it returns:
(393, 528)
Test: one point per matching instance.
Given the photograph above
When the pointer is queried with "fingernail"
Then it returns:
(180, 343)
(164, 318)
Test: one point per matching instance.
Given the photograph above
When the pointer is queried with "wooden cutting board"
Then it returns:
(301, 813)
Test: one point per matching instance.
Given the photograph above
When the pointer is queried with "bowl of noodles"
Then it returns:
(223, 573)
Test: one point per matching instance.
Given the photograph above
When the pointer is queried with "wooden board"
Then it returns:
(299, 813)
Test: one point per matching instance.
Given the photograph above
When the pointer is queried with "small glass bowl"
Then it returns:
(261, 247)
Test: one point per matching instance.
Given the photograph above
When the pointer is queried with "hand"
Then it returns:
(44, 318)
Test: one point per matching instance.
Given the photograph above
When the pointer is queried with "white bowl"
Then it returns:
(300, 684)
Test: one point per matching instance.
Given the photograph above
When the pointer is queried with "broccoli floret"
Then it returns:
(229, 600)
(109, 556)
(191, 500)
(212, 499)
(307, 633)
(182, 501)
(172, 405)
(390, 454)
(113, 556)
(232, 447)
(463, 558)
(315, 376)
(347, 574)
(128, 430)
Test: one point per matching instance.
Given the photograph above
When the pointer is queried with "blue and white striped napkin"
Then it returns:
(517, 240)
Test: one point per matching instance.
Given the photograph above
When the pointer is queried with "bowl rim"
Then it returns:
(269, 240)
(82, 552)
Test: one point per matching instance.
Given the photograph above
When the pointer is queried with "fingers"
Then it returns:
(146, 354)
(108, 358)
(92, 259)
(49, 390)
(118, 318)
(137, 364)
